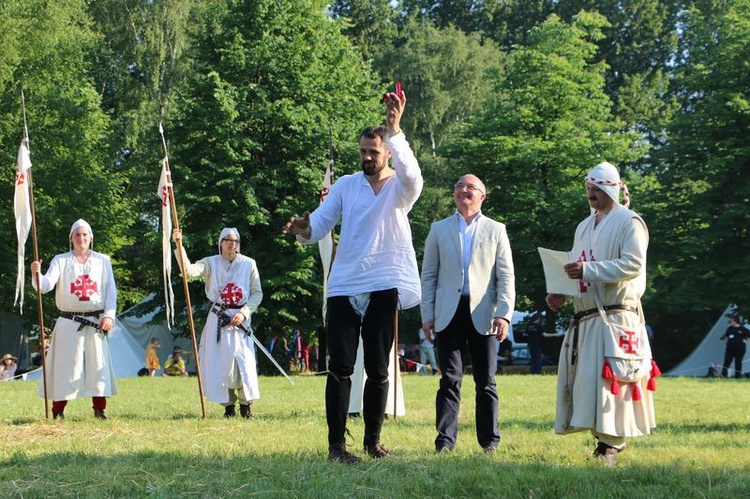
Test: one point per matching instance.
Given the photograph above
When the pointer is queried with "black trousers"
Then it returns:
(483, 351)
(377, 328)
(736, 353)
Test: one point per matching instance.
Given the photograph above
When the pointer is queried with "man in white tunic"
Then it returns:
(605, 375)
(227, 353)
(79, 362)
(374, 273)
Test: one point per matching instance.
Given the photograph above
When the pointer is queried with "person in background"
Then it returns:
(79, 362)
(535, 333)
(152, 358)
(427, 351)
(735, 336)
(8, 367)
(175, 365)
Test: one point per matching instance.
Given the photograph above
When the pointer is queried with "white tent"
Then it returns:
(139, 321)
(710, 351)
(128, 356)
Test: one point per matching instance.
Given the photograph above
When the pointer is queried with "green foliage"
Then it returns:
(704, 243)
(272, 84)
(48, 56)
(547, 122)
(371, 25)
(443, 74)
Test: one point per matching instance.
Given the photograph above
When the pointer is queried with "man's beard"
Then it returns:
(371, 168)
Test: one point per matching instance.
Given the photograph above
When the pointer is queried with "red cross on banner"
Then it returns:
(628, 342)
(231, 294)
(83, 288)
(20, 178)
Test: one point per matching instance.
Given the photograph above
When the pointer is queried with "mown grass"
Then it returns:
(156, 444)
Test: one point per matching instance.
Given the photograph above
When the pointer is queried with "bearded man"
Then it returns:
(374, 272)
(605, 375)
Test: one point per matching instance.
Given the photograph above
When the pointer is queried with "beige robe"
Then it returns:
(79, 363)
(614, 271)
(229, 363)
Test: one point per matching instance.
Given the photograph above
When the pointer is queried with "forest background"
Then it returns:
(257, 96)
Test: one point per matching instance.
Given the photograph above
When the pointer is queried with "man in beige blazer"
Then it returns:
(468, 295)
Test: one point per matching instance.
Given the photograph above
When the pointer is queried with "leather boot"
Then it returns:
(229, 411)
(99, 414)
(245, 411)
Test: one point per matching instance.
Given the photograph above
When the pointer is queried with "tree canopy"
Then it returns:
(257, 96)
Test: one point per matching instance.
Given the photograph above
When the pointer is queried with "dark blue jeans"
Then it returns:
(377, 328)
(450, 343)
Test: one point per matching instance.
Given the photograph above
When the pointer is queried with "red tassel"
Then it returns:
(655, 373)
(615, 389)
(636, 391)
(607, 371)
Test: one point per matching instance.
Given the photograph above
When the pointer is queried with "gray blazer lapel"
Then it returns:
(455, 239)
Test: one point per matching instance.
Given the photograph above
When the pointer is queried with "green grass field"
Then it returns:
(156, 444)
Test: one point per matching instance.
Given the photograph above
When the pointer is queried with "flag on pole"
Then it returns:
(22, 210)
(165, 182)
(325, 245)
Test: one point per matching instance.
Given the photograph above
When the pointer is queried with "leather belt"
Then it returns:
(223, 319)
(579, 316)
(80, 317)
(609, 308)
(70, 315)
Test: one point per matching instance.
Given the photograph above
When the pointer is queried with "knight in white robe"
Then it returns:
(606, 373)
(227, 353)
(359, 377)
(78, 362)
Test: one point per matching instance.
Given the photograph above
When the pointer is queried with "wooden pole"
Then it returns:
(40, 305)
(189, 306)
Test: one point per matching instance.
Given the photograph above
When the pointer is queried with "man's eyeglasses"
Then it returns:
(469, 187)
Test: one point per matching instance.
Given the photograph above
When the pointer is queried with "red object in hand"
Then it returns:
(399, 92)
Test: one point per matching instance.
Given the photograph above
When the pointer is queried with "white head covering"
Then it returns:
(226, 231)
(81, 223)
(606, 177)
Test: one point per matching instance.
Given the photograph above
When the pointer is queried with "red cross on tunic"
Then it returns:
(83, 288)
(582, 286)
(628, 342)
(231, 294)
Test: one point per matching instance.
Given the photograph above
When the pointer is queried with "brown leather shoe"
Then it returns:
(338, 452)
(606, 454)
(58, 415)
(245, 411)
(377, 451)
(99, 414)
